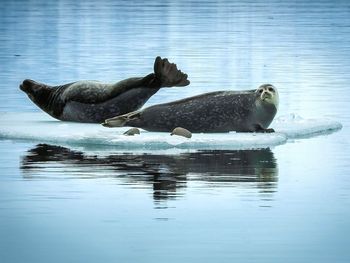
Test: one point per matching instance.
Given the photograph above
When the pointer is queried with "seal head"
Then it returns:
(38, 93)
(267, 101)
(268, 94)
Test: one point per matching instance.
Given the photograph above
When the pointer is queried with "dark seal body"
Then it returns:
(92, 101)
(221, 111)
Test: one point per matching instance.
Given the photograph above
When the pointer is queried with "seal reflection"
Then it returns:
(168, 174)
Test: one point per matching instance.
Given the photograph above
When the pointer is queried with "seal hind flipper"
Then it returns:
(168, 74)
(122, 120)
(165, 74)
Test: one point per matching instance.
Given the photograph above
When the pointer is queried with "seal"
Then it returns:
(221, 111)
(92, 101)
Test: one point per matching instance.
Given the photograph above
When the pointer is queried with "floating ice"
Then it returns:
(295, 127)
(40, 127)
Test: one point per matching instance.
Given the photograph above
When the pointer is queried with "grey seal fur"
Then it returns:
(221, 111)
(92, 101)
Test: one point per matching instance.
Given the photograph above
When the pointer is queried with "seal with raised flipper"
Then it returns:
(220, 111)
(92, 101)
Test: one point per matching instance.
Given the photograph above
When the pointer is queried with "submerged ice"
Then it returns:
(42, 128)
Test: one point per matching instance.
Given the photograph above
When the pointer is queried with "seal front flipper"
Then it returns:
(122, 120)
(260, 129)
(268, 130)
(167, 74)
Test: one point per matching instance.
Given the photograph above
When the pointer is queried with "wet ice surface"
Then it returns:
(295, 127)
(42, 128)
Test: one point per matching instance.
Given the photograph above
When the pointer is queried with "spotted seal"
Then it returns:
(92, 101)
(220, 111)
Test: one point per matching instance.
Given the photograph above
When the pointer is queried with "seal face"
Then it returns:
(268, 94)
(92, 101)
(221, 111)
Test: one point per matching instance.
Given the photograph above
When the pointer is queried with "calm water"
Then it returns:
(286, 204)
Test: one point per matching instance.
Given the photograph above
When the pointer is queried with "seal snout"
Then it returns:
(266, 95)
(22, 87)
(26, 85)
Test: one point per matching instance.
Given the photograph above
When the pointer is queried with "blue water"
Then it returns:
(290, 203)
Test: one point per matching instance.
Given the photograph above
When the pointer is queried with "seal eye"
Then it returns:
(271, 89)
(260, 91)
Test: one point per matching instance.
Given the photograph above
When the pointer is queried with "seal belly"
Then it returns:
(80, 112)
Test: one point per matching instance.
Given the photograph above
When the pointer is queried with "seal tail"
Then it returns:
(168, 75)
(121, 120)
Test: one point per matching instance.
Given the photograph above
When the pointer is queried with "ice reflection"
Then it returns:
(168, 175)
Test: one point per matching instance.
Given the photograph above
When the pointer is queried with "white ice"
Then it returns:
(40, 127)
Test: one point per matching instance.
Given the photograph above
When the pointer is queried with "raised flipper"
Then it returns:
(168, 75)
(122, 120)
(165, 74)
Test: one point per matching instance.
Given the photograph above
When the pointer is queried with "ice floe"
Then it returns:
(40, 127)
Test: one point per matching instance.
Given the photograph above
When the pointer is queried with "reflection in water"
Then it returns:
(167, 174)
